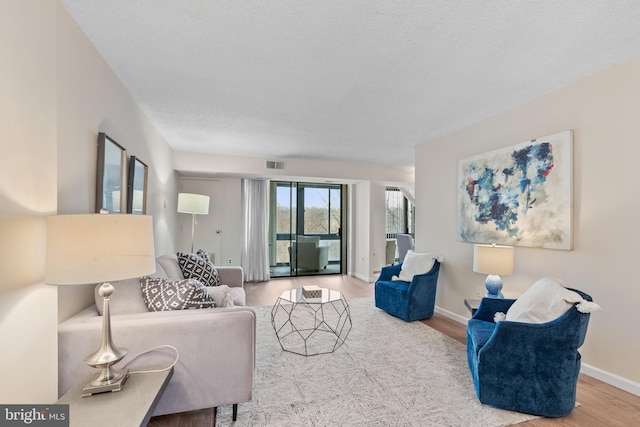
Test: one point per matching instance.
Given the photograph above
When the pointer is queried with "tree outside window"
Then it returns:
(399, 213)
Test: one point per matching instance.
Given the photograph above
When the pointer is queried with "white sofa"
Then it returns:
(217, 345)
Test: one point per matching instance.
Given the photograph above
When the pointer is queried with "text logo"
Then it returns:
(34, 415)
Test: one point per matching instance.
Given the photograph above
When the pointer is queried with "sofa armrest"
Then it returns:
(387, 272)
(216, 346)
(232, 276)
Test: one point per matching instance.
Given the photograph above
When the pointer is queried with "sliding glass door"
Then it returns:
(306, 229)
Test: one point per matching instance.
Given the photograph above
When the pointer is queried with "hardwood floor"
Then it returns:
(600, 404)
(266, 293)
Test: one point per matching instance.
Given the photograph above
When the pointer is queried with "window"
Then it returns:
(399, 213)
(321, 209)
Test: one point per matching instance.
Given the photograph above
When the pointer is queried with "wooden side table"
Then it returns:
(472, 305)
(132, 406)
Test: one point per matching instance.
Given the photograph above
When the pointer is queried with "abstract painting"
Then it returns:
(520, 195)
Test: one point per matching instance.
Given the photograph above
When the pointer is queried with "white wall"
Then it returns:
(367, 184)
(361, 230)
(91, 99)
(253, 167)
(232, 220)
(224, 215)
(207, 229)
(368, 229)
(28, 308)
(366, 226)
(57, 94)
(377, 213)
(602, 110)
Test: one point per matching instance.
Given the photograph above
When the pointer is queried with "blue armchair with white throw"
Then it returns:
(408, 290)
(523, 354)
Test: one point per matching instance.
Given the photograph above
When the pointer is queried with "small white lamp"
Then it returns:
(495, 261)
(194, 204)
(98, 248)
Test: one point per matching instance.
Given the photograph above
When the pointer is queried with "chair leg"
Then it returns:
(215, 410)
(235, 411)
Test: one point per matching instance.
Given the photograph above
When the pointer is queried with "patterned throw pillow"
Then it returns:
(204, 254)
(162, 294)
(197, 267)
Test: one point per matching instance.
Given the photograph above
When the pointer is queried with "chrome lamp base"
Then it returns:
(107, 355)
(97, 385)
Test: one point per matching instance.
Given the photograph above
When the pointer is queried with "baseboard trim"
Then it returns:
(450, 315)
(597, 373)
(364, 278)
(611, 379)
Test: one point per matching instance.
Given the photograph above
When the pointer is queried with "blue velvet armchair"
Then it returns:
(526, 367)
(408, 301)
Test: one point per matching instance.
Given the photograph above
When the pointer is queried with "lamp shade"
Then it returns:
(98, 248)
(493, 259)
(193, 203)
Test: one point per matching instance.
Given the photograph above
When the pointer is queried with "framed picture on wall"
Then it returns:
(519, 195)
(137, 186)
(111, 175)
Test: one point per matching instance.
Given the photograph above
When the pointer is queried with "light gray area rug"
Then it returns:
(387, 373)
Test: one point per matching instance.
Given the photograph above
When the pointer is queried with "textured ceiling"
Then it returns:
(362, 81)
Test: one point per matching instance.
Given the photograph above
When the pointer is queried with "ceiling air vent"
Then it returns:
(272, 164)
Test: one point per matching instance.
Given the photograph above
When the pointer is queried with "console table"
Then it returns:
(132, 406)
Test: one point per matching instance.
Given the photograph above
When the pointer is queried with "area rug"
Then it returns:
(387, 373)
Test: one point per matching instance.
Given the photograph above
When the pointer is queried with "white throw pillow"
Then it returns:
(546, 300)
(223, 295)
(416, 263)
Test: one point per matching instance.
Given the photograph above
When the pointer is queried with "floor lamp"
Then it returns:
(100, 248)
(194, 204)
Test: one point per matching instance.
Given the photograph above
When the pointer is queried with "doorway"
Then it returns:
(208, 229)
(306, 235)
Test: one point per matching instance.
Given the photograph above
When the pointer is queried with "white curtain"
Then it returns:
(255, 230)
(409, 192)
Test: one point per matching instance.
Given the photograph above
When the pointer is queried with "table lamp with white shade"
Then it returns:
(194, 204)
(100, 248)
(493, 260)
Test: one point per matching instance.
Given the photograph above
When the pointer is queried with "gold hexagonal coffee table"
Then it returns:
(311, 320)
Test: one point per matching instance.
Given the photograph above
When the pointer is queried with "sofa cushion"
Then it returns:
(197, 267)
(416, 263)
(161, 294)
(125, 299)
(170, 267)
(396, 286)
(546, 300)
(159, 270)
(222, 292)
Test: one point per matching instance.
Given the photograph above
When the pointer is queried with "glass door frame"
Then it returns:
(334, 230)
